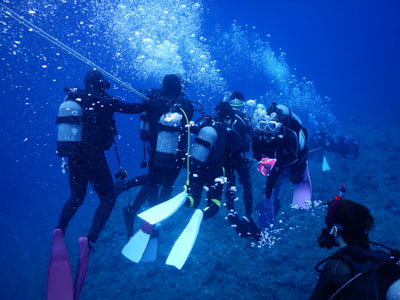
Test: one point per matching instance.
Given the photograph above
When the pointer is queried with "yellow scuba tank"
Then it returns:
(168, 140)
(69, 135)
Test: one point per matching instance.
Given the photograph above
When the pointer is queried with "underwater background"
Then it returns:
(335, 61)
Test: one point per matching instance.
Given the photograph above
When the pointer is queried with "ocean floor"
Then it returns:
(224, 266)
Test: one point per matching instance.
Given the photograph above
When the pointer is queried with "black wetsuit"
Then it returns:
(286, 149)
(98, 130)
(236, 161)
(345, 146)
(211, 173)
(377, 269)
(163, 173)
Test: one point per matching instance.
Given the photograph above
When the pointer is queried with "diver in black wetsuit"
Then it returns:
(354, 271)
(344, 145)
(167, 114)
(236, 161)
(279, 136)
(89, 164)
(214, 137)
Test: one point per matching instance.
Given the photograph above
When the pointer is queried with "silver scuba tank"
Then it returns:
(69, 135)
(144, 127)
(203, 143)
(168, 140)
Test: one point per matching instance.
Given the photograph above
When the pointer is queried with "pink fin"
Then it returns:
(82, 266)
(303, 191)
(59, 276)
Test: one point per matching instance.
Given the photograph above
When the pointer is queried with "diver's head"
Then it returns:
(225, 112)
(236, 100)
(172, 86)
(267, 126)
(95, 81)
(348, 221)
(282, 112)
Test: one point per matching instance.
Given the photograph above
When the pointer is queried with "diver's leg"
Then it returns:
(155, 181)
(78, 182)
(230, 189)
(214, 193)
(102, 183)
(169, 177)
(132, 208)
(245, 179)
(266, 213)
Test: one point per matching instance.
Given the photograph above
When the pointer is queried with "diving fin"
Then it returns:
(82, 266)
(150, 254)
(164, 210)
(303, 191)
(325, 165)
(59, 276)
(184, 244)
(137, 244)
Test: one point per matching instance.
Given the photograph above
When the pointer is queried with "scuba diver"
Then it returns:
(204, 171)
(354, 271)
(133, 207)
(235, 160)
(86, 129)
(206, 167)
(280, 136)
(163, 128)
(343, 145)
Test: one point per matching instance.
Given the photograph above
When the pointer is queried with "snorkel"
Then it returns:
(326, 238)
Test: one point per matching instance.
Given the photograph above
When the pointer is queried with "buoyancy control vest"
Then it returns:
(69, 137)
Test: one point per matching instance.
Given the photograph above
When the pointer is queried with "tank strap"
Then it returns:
(73, 120)
(162, 127)
(202, 142)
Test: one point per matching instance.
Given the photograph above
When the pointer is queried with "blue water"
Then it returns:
(336, 60)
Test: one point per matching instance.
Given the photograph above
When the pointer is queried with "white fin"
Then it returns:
(136, 245)
(325, 165)
(184, 244)
(163, 210)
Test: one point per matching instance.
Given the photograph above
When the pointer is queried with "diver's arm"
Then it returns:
(127, 108)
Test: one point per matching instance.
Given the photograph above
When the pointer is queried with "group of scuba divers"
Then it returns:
(280, 146)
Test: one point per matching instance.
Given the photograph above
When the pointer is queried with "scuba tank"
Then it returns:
(144, 127)
(203, 143)
(168, 140)
(69, 129)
